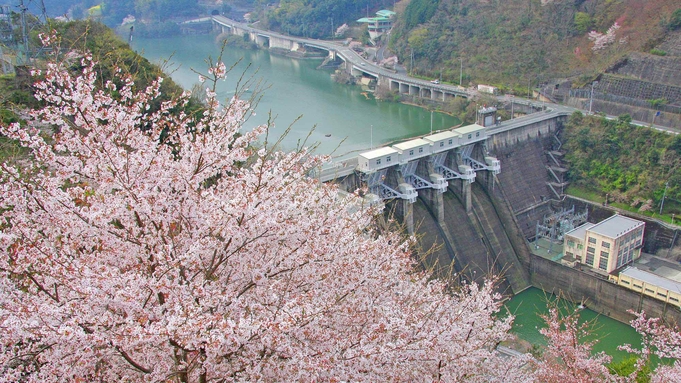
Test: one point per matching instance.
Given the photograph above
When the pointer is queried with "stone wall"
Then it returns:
(651, 68)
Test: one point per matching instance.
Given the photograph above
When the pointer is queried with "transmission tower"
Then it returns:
(26, 30)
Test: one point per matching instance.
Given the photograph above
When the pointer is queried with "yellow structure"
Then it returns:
(649, 284)
(608, 245)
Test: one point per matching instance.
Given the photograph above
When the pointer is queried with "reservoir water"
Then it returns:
(297, 88)
(609, 333)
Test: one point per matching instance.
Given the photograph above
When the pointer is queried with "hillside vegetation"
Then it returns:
(632, 163)
(317, 19)
(17, 92)
(516, 43)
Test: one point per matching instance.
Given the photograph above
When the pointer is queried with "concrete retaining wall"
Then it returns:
(599, 295)
(538, 130)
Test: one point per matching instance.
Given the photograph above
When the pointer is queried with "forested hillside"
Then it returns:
(112, 54)
(632, 163)
(519, 42)
(317, 19)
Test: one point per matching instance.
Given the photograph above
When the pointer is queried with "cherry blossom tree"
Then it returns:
(142, 245)
(602, 40)
(568, 357)
(661, 341)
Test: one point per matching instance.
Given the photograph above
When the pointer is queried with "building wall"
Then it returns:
(599, 249)
(607, 250)
(575, 247)
(641, 287)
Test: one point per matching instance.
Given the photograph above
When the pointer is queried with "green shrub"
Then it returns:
(658, 52)
(583, 22)
(675, 22)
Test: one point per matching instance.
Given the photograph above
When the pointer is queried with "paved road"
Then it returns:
(366, 66)
(349, 56)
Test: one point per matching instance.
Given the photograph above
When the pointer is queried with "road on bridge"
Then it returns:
(363, 65)
(348, 55)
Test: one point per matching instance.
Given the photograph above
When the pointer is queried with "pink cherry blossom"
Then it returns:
(601, 41)
(209, 257)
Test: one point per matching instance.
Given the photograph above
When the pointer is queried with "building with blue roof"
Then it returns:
(380, 24)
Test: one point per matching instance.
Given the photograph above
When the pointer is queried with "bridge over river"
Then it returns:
(354, 63)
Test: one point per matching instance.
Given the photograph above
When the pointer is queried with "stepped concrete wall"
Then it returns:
(523, 173)
(651, 68)
(497, 233)
(671, 120)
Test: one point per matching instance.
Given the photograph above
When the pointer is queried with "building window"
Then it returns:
(637, 286)
(663, 295)
(420, 150)
(605, 254)
(606, 244)
(673, 299)
(650, 291)
(442, 143)
(378, 161)
(590, 259)
(580, 246)
(470, 136)
(625, 282)
(571, 243)
(411, 152)
(477, 134)
(603, 264)
(592, 240)
(590, 250)
(450, 141)
(387, 159)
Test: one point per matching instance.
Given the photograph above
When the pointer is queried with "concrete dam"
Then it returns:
(484, 227)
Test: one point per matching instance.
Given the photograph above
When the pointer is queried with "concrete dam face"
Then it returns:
(491, 238)
(476, 229)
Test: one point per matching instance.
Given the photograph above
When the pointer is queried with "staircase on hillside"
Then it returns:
(557, 171)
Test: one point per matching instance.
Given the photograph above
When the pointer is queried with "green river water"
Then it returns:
(297, 88)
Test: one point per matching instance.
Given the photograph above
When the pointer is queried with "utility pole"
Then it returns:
(529, 82)
(657, 113)
(23, 10)
(666, 184)
(512, 103)
(591, 98)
